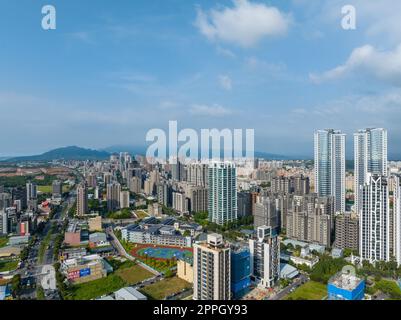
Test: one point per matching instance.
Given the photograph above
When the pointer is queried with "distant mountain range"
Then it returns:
(78, 153)
(66, 153)
(142, 150)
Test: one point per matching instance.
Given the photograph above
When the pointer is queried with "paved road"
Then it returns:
(117, 245)
(287, 290)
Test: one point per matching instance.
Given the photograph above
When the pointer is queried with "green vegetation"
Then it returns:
(141, 214)
(3, 242)
(389, 287)
(326, 268)
(16, 285)
(8, 265)
(309, 291)
(96, 288)
(45, 243)
(61, 286)
(20, 181)
(164, 288)
(134, 274)
(40, 293)
(49, 189)
(380, 269)
(123, 214)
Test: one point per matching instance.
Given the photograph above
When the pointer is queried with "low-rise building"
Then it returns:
(85, 269)
(345, 286)
(155, 234)
(72, 236)
(95, 224)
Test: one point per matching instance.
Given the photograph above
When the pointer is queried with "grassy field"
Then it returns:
(49, 189)
(96, 288)
(141, 214)
(309, 291)
(133, 275)
(164, 288)
(389, 287)
(3, 242)
(8, 265)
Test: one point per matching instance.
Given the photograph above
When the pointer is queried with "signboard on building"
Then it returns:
(73, 275)
(85, 272)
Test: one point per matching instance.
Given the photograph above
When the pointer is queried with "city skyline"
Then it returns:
(109, 66)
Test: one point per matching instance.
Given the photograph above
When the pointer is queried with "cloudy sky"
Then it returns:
(112, 70)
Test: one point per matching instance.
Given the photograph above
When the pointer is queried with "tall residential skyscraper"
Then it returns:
(222, 202)
(212, 269)
(330, 166)
(370, 153)
(113, 196)
(124, 199)
(82, 200)
(374, 220)
(265, 257)
(57, 189)
(397, 220)
(31, 191)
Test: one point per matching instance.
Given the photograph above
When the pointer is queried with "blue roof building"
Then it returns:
(345, 286)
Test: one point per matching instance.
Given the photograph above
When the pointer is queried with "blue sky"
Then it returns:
(113, 70)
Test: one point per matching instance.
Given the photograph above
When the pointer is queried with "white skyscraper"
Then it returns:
(374, 219)
(222, 192)
(370, 154)
(330, 166)
(265, 257)
(212, 269)
(397, 220)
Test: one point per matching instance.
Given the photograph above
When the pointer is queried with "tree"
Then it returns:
(16, 285)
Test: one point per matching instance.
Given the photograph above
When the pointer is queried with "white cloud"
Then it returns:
(225, 53)
(225, 82)
(367, 60)
(207, 110)
(245, 24)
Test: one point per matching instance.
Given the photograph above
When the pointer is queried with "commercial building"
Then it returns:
(265, 257)
(330, 166)
(345, 286)
(240, 271)
(374, 220)
(212, 269)
(222, 192)
(85, 269)
(370, 154)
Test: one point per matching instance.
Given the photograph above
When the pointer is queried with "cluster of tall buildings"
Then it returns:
(376, 210)
(223, 271)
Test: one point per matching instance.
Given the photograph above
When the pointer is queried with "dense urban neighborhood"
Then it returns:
(121, 228)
